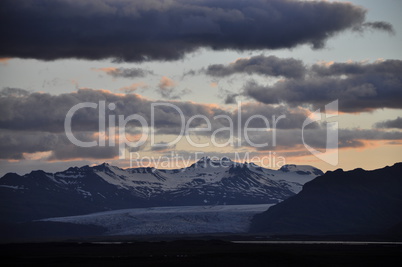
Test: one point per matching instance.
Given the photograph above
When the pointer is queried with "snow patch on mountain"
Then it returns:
(13, 187)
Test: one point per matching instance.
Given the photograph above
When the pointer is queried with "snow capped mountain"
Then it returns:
(104, 187)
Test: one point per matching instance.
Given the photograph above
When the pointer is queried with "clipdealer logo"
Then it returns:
(330, 155)
(238, 132)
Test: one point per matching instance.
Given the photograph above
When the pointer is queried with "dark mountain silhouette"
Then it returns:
(338, 202)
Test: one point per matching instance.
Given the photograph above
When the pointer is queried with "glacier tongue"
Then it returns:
(171, 220)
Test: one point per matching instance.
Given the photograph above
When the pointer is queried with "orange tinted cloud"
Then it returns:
(5, 60)
(107, 70)
(37, 155)
(324, 63)
(104, 91)
(166, 82)
(133, 87)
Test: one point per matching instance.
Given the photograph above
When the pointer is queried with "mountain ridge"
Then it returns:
(81, 190)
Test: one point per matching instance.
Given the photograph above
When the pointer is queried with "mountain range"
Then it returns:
(210, 196)
(84, 190)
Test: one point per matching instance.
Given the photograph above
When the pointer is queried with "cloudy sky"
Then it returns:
(221, 63)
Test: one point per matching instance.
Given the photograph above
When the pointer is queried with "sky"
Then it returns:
(272, 82)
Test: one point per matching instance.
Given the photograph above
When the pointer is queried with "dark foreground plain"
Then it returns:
(199, 253)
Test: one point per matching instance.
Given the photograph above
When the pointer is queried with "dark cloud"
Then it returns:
(34, 122)
(162, 147)
(397, 124)
(166, 30)
(279, 117)
(168, 93)
(31, 123)
(69, 151)
(167, 89)
(171, 93)
(126, 72)
(228, 96)
(355, 68)
(379, 25)
(13, 92)
(317, 138)
(14, 144)
(354, 137)
(267, 66)
(231, 98)
(358, 87)
(46, 112)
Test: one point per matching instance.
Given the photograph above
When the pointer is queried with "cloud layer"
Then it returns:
(34, 122)
(267, 66)
(167, 30)
(125, 72)
(24, 111)
(389, 124)
(359, 87)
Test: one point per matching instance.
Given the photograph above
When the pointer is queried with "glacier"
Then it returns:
(171, 220)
